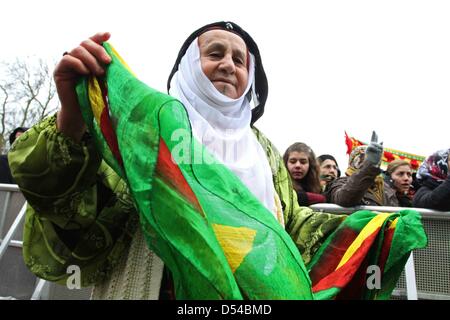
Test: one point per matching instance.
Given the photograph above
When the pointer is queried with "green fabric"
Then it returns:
(308, 228)
(409, 235)
(61, 181)
(42, 156)
(81, 213)
(64, 184)
(185, 237)
(383, 246)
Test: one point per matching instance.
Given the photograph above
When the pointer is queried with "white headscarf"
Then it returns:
(222, 125)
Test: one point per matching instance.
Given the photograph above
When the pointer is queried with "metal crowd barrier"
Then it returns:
(16, 281)
(426, 274)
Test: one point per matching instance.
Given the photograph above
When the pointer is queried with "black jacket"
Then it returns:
(433, 196)
(5, 173)
(349, 191)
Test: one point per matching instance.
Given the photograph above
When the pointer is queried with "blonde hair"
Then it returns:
(392, 166)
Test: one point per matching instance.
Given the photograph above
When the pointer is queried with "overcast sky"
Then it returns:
(332, 66)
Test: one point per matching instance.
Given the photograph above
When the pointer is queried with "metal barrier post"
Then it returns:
(12, 231)
(3, 213)
(410, 274)
(38, 290)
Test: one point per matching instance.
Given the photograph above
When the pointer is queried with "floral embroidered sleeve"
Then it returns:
(79, 211)
(307, 228)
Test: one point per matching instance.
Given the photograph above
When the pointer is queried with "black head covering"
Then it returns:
(12, 136)
(324, 157)
(261, 86)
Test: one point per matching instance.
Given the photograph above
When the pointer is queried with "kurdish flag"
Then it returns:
(217, 239)
(364, 257)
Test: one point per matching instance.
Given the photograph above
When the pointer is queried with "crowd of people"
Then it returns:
(319, 179)
(365, 183)
(84, 193)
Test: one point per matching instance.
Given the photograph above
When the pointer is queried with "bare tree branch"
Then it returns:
(3, 111)
(27, 94)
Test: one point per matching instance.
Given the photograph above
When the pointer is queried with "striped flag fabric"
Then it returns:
(216, 238)
(215, 242)
(364, 257)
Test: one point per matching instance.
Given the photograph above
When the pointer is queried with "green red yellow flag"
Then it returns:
(364, 257)
(218, 244)
(216, 238)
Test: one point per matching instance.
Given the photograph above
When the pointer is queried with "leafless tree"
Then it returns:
(27, 94)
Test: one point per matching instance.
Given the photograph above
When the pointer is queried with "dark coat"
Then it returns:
(349, 191)
(5, 173)
(435, 197)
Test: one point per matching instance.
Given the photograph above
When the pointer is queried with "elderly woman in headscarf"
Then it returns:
(363, 183)
(434, 178)
(195, 216)
(118, 200)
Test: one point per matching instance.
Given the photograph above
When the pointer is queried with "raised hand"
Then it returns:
(374, 151)
(88, 58)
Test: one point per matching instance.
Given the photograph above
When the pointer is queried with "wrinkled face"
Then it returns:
(328, 168)
(223, 57)
(402, 177)
(298, 165)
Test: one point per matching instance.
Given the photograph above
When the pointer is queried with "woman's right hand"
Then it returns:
(89, 58)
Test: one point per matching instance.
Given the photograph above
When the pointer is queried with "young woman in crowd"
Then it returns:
(301, 163)
(399, 177)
